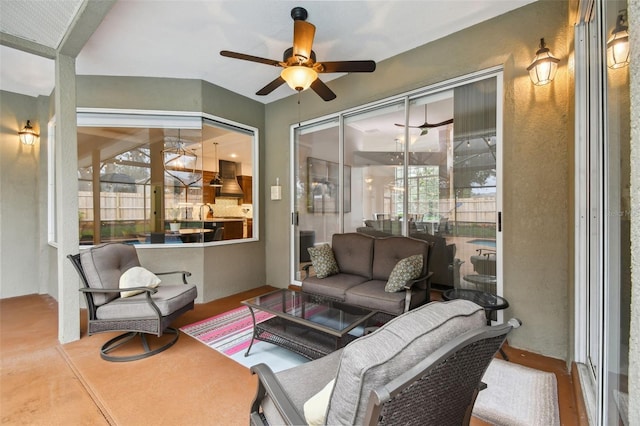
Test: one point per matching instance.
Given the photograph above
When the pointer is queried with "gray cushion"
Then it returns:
(389, 251)
(334, 286)
(372, 295)
(354, 253)
(104, 264)
(169, 299)
(377, 358)
(302, 382)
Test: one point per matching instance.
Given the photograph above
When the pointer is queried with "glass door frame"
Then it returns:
(494, 72)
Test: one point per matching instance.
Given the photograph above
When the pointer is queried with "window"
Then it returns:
(145, 179)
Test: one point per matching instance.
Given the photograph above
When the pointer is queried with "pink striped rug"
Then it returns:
(229, 332)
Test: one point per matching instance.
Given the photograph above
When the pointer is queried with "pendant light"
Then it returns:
(216, 182)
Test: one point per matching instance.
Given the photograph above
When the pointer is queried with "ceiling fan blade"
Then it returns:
(303, 33)
(412, 127)
(250, 58)
(442, 123)
(347, 66)
(271, 86)
(322, 90)
(427, 125)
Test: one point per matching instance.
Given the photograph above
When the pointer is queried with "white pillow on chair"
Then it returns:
(315, 409)
(137, 277)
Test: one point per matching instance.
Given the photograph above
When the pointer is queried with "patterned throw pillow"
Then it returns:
(324, 262)
(406, 269)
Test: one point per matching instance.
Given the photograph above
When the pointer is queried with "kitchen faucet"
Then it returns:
(210, 210)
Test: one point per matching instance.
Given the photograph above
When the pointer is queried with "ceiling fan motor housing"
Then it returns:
(299, 14)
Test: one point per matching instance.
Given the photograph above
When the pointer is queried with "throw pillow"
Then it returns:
(315, 409)
(137, 277)
(406, 269)
(324, 262)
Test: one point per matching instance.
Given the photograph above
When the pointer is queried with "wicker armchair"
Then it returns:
(150, 312)
(423, 367)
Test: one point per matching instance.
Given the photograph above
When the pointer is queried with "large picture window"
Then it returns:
(164, 179)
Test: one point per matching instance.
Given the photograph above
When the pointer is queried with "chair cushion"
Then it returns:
(324, 263)
(137, 277)
(301, 383)
(407, 269)
(104, 264)
(375, 359)
(169, 299)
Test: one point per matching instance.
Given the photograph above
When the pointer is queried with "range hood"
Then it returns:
(230, 187)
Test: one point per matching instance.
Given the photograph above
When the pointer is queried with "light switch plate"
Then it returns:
(276, 192)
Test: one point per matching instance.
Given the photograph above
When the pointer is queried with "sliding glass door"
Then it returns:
(425, 165)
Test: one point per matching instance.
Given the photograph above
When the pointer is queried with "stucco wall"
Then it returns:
(537, 134)
(19, 223)
(634, 338)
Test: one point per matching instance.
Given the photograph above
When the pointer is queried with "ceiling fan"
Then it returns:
(426, 126)
(300, 69)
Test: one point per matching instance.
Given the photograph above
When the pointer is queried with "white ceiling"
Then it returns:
(183, 38)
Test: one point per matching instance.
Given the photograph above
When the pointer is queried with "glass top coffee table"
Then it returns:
(306, 324)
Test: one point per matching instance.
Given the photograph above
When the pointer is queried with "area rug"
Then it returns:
(230, 334)
(518, 395)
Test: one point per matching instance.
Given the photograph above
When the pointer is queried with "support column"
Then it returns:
(67, 227)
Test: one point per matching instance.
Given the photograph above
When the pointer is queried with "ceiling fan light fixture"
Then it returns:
(299, 77)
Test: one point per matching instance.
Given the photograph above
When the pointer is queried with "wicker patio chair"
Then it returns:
(424, 367)
(150, 312)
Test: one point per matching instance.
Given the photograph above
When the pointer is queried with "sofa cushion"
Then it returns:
(389, 251)
(334, 286)
(354, 253)
(324, 262)
(104, 264)
(375, 359)
(405, 270)
(372, 295)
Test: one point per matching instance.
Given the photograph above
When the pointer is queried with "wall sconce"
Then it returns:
(28, 135)
(544, 66)
(618, 44)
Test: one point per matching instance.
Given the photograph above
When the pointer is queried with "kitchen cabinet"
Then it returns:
(246, 183)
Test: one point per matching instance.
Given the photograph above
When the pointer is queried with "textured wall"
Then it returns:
(19, 225)
(634, 340)
(537, 133)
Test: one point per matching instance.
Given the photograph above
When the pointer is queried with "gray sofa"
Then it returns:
(443, 258)
(365, 263)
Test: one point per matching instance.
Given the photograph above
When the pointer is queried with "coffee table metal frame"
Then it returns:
(292, 328)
